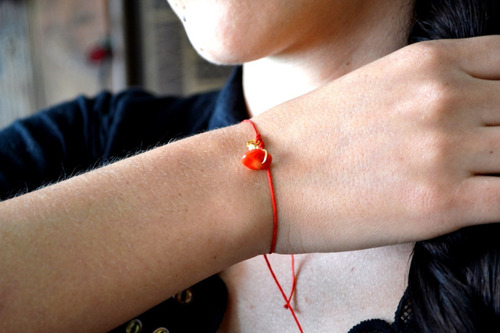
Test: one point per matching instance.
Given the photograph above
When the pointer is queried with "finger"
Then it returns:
(478, 56)
(481, 151)
(482, 101)
(479, 200)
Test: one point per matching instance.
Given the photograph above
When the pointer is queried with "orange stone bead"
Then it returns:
(257, 159)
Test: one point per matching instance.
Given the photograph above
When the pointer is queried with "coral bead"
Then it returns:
(256, 159)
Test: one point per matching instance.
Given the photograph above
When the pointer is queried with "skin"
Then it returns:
(214, 27)
(293, 47)
(404, 179)
(289, 51)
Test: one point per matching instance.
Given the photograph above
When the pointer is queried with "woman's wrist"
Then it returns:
(252, 209)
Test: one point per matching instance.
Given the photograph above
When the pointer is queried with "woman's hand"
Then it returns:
(400, 150)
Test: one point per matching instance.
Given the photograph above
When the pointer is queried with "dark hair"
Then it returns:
(454, 280)
(440, 19)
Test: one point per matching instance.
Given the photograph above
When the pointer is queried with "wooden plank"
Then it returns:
(16, 79)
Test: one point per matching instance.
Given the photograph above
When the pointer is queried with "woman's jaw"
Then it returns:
(289, 48)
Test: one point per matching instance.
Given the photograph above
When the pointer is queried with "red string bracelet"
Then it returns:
(257, 158)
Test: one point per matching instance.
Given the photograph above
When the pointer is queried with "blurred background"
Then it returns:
(55, 50)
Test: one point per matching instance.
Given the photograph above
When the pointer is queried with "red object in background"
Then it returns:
(100, 52)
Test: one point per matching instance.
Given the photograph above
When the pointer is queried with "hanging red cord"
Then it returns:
(257, 158)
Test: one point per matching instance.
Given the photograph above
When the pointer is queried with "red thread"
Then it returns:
(259, 144)
(289, 298)
(294, 282)
(275, 213)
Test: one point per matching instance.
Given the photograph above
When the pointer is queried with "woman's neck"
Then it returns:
(372, 32)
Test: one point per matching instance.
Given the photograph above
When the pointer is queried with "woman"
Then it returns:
(396, 151)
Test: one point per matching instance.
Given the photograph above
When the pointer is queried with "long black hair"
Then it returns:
(454, 280)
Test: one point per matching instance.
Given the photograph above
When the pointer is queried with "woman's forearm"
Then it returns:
(111, 243)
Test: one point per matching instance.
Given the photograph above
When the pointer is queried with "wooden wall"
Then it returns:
(44, 46)
(43, 53)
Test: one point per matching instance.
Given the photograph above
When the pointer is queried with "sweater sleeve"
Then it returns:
(73, 137)
(53, 144)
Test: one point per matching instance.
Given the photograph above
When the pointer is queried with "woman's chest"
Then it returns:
(333, 292)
